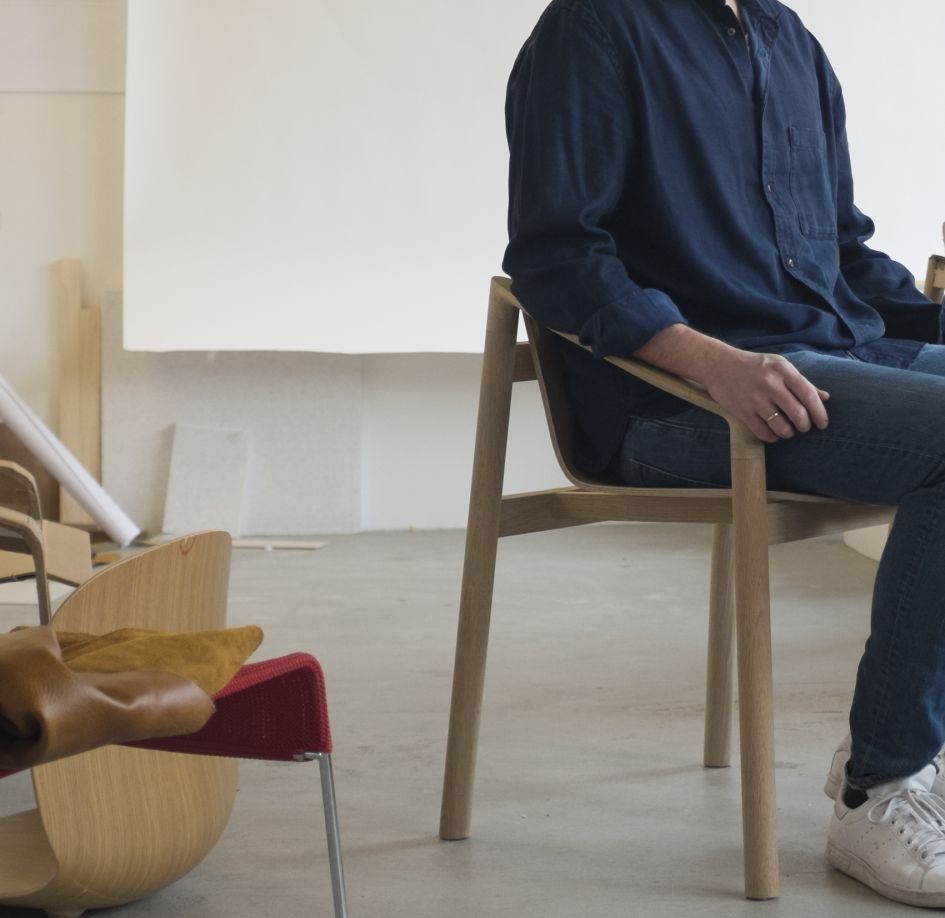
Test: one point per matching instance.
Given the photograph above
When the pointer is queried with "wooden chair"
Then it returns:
(747, 518)
(115, 824)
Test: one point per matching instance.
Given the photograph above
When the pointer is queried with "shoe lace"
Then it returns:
(919, 818)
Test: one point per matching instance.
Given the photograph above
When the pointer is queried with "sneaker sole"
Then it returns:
(854, 867)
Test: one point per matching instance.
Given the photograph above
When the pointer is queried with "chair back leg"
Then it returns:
(755, 682)
(335, 864)
(482, 535)
(719, 677)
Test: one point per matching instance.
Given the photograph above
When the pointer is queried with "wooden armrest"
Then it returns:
(18, 490)
(742, 441)
(682, 388)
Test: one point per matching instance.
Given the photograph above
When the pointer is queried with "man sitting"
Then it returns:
(680, 191)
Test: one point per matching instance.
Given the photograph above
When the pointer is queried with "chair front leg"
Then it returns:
(755, 681)
(482, 535)
(338, 891)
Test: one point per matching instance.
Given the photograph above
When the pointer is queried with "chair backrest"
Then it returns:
(18, 490)
(546, 369)
(547, 366)
(124, 822)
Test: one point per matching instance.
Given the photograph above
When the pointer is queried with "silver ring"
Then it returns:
(773, 416)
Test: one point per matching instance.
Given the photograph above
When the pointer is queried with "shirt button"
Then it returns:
(792, 262)
(770, 187)
(732, 31)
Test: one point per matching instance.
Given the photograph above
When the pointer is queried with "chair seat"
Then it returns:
(275, 710)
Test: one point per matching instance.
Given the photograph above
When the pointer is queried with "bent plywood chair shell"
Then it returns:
(115, 824)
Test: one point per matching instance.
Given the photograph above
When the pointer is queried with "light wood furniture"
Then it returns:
(746, 519)
(115, 824)
(80, 381)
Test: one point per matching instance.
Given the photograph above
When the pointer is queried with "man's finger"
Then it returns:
(778, 415)
(812, 400)
(782, 426)
(793, 413)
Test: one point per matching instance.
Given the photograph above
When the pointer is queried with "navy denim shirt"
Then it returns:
(664, 169)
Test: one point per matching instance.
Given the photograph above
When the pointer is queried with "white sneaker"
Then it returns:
(895, 841)
(838, 770)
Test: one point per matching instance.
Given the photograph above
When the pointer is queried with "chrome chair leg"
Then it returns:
(331, 830)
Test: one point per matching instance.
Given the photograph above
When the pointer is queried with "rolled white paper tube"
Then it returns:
(64, 467)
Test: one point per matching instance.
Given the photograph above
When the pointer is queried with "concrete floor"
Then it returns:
(590, 797)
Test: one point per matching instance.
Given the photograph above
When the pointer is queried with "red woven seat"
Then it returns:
(273, 710)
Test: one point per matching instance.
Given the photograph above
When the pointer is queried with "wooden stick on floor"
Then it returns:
(80, 382)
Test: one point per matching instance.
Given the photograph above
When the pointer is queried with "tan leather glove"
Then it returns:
(47, 711)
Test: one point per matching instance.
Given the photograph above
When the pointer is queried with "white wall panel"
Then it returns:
(60, 197)
(418, 429)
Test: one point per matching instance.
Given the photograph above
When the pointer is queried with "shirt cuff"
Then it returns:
(618, 330)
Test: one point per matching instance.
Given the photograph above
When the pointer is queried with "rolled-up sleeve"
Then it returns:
(569, 121)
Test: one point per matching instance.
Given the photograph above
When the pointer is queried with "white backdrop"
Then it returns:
(309, 175)
(314, 175)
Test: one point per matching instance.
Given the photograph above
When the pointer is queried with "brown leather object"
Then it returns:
(209, 658)
(48, 712)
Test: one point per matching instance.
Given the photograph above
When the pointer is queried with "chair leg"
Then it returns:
(719, 681)
(755, 683)
(482, 534)
(338, 891)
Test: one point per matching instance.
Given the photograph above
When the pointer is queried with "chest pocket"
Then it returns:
(811, 188)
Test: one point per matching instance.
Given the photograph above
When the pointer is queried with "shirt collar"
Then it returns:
(770, 8)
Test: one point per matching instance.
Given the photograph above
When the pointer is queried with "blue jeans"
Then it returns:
(885, 444)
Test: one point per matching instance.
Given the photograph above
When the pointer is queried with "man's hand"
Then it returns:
(767, 393)
(764, 391)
